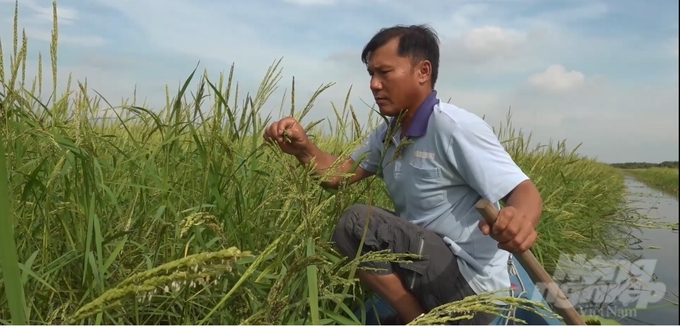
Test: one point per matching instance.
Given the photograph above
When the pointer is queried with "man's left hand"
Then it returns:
(513, 230)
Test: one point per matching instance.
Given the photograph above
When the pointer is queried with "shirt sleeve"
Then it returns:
(482, 161)
(371, 147)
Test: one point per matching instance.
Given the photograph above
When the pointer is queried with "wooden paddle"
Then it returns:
(536, 272)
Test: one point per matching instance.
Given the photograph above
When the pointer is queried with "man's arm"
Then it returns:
(368, 165)
(526, 199)
(487, 167)
(323, 162)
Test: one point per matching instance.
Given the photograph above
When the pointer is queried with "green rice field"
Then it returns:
(663, 179)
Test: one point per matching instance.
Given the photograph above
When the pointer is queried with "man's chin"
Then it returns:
(388, 111)
(391, 113)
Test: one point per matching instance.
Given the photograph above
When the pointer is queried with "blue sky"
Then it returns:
(604, 73)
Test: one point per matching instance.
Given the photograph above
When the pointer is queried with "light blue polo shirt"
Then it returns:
(453, 160)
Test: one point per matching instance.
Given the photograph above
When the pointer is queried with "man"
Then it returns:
(439, 161)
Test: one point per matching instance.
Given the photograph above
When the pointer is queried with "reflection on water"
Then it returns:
(660, 245)
(617, 287)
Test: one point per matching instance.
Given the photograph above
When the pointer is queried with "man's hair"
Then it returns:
(420, 42)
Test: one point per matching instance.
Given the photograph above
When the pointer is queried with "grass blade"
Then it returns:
(312, 285)
(9, 260)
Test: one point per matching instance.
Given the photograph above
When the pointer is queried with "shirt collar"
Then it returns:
(420, 120)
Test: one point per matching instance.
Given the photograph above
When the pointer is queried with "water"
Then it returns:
(658, 205)
(656, 245)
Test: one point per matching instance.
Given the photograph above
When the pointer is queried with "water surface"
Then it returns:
(665, 209)
(603, 287)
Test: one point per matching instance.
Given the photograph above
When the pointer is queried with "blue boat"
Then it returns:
(522, 286)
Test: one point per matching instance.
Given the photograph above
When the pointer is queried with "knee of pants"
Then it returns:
(344, 237)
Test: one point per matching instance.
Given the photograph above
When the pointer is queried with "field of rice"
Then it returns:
(180, 215)
(664, 179)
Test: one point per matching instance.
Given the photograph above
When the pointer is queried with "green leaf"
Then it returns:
(9, 259)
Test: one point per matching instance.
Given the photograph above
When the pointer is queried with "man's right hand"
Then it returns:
(293, 140)
(290, 136)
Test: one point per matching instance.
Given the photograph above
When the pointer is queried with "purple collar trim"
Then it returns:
(420, 120)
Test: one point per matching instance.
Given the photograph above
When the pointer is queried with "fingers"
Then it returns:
(521, 243)
(503, 228)
(286, 123)
(275, 130)
(484, 227)
(511, 231)
(271, 134)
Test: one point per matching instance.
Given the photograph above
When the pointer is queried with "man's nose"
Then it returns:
(376, 84)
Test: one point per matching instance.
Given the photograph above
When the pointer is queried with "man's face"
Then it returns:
(394, 79)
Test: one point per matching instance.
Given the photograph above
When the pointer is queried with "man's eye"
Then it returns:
(379, 72)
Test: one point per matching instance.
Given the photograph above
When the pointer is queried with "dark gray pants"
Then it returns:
(434, 279)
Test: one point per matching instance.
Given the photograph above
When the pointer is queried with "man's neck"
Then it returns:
(411, 112)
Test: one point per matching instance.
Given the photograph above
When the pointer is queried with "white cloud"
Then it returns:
(36, 19)
(581, 11)
(557, 78)
(42, 13)
(81, 40)
(488, 42)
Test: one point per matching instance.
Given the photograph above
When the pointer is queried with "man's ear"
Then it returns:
(424, 71)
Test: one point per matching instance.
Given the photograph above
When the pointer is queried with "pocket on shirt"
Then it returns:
(425, 193)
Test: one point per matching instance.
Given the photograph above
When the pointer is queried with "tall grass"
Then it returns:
(663, 179)
(141, 218)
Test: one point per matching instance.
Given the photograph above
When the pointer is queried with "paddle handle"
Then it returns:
(536, 272)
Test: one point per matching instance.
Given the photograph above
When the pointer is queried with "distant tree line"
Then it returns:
(645, 165)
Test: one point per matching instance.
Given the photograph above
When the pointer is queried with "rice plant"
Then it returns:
(125, 214)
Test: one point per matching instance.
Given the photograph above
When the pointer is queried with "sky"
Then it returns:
(603, 74)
